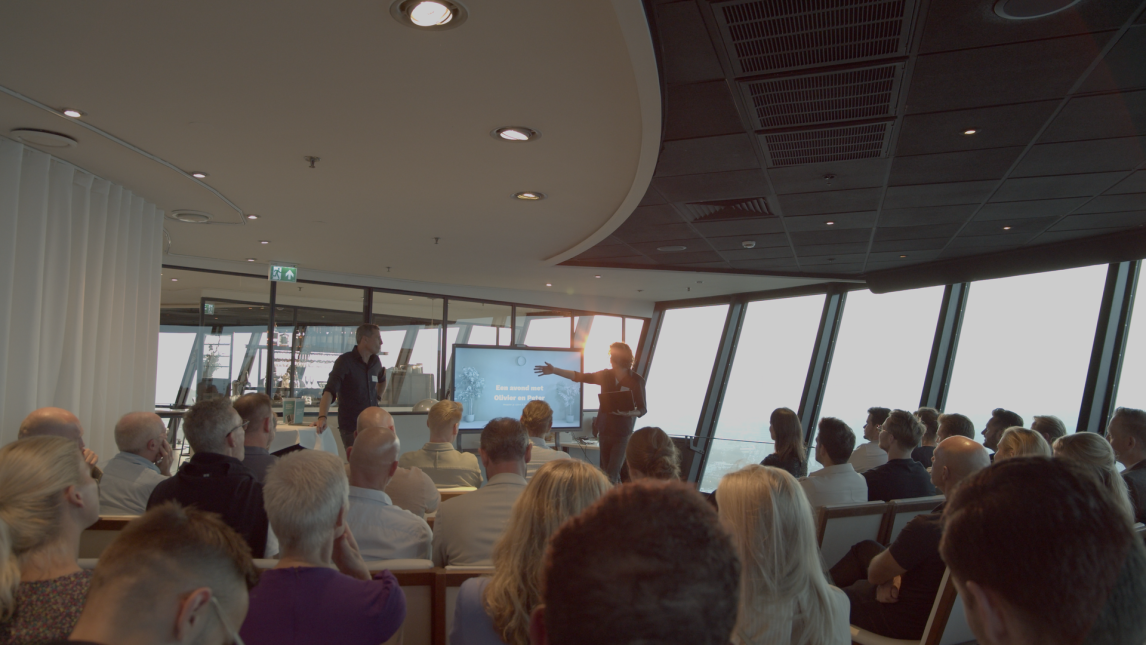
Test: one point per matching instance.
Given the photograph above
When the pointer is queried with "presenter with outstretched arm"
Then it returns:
(614, 426)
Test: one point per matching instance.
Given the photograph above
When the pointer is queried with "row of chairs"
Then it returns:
(840, 526)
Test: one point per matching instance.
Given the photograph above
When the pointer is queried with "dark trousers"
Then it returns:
(613, 447)
(850, 575)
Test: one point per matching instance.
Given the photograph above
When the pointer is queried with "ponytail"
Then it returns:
(652, 452)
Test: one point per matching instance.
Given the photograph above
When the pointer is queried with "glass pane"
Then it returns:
(411, 342)
(479, 323)
(594, 335)
(543, 328)
(1132, 382)
(1025, 345)
(633, 329)
(314, 324)
(881, 354)
(681, 368)
(768, 372)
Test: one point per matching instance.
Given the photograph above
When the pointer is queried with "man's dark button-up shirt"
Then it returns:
(354, 383)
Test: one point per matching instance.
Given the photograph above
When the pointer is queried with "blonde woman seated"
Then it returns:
(47, 498)
(785, 597)
(1020, 442)
(652, 454)
(537, 419)
(495, 610)
(1093, 450)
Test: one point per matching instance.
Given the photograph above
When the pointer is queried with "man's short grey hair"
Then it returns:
(135, 429)
(207, 424)
(504, 439)
(303, 493)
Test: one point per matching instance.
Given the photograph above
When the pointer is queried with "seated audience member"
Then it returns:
(1091, 450)
(47, 498)
(383, 531)
(1126, 432)
(255, 410)
(929, 417)
(57, 422)
(788, 434)
(784, 597)
(495, 609)
(837, 482)
(1041, 556)
(998, 423)
(467, 526)
(955, 425)
(1020, 442)
(214, 479)
(173, 575)
(537, 419)
(869, 455)
(143, 461)
(439, 459)
(650, 562)
(652, 454)
(320, 591)
(892, 590)
(409, 488)
(901, 477)
(1051, 428)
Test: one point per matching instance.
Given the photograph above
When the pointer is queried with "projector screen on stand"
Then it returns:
(493, 382)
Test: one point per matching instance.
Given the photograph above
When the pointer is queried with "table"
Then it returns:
(305, 436)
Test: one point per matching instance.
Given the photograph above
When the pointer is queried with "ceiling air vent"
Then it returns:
(844, 143)
(727, 209)
(768, 36)
(825, 97)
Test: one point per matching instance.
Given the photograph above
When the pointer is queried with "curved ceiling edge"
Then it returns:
(635, 30)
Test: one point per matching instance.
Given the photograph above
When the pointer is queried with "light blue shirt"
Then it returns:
(472, 626)
(127, 482)
(384, 531)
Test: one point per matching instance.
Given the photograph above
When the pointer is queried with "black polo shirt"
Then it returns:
(1135, 477)
(354, 384)
(898, 479)
(612, 424)
(916, 549)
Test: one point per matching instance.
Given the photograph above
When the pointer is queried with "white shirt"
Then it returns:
(126, 484)
(384, 531)
(541, 455)
(867, 456)
(467, 526)
(839, 484)
(413, 490)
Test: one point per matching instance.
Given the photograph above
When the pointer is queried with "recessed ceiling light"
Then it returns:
(530, 195)
(670, 249)
(199, 175)
(250, 259)
(515, 133)
(830, 223)
(903, 256)
(191, 217)
(175, 279)
(264, 241)
(43, 138)
(72, 112)
(549, 284)
(1030, 9)
(1006, 228)
(429, 14)
(970, 131)
(596, 276)
(252, 217)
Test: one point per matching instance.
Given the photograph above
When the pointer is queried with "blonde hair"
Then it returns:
(303, 494)
(784, 595)
(558, 491)
(652, 452)
(537, 418)
(34, 473)
(1093, 450)
(443, 415)
(1021, 442)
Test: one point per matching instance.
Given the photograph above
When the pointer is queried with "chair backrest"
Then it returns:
(840, 526)
(903, 511)
(947, 624)
(449, 584)
(394, 566)
(458, 491)
(1141, 529)
(418, 586)
(98, 536)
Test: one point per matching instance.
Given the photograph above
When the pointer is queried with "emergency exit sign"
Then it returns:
(283, 273)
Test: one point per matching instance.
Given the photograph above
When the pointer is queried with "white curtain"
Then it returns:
(79, 295)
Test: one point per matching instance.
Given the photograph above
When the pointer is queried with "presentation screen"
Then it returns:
(493, 382)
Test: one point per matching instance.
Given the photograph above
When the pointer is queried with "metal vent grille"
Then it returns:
(727, 209)
(827, 97)
(845, 143)
(767, 36)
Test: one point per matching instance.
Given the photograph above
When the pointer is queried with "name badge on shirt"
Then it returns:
(374, 378)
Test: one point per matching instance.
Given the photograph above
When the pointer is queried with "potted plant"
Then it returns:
(469, 389)
(569, 394)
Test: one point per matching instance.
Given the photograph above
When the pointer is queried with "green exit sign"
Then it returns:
(209, 308)
(282, 273)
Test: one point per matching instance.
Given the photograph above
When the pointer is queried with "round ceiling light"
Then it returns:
(72, 113)
(515, 133)
(429, 14)
(252, 217)
(43, 138)
(530, 195)
(191, 217)
(671, 249)
(199, 175)
(1031, 9)
(970, 131)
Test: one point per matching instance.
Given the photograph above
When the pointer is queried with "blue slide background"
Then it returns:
(509, 386)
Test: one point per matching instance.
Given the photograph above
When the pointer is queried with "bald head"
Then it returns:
(374, 418)
(955, 459)
(52, 422)
(374, 458)
(136, 429)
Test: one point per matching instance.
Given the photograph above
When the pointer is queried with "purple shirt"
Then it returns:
(300, 606)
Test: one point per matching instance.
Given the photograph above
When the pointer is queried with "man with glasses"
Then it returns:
(215, 478)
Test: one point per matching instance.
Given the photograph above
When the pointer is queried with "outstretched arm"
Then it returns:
(542, 370)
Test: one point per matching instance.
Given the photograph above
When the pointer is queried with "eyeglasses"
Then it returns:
(231, 634)
(242, 425)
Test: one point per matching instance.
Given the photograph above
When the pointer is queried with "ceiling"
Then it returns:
(838, 150)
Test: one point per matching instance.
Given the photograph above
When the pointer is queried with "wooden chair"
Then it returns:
(947, 624)
(446, 598)
(839, 526)
(450, 493)
(903, 511)
(98, 536)
(418, 586)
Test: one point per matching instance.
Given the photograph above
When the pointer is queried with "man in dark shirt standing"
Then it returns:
(357, 381)
(615, 426)
(901, 477)
(1126, 433)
